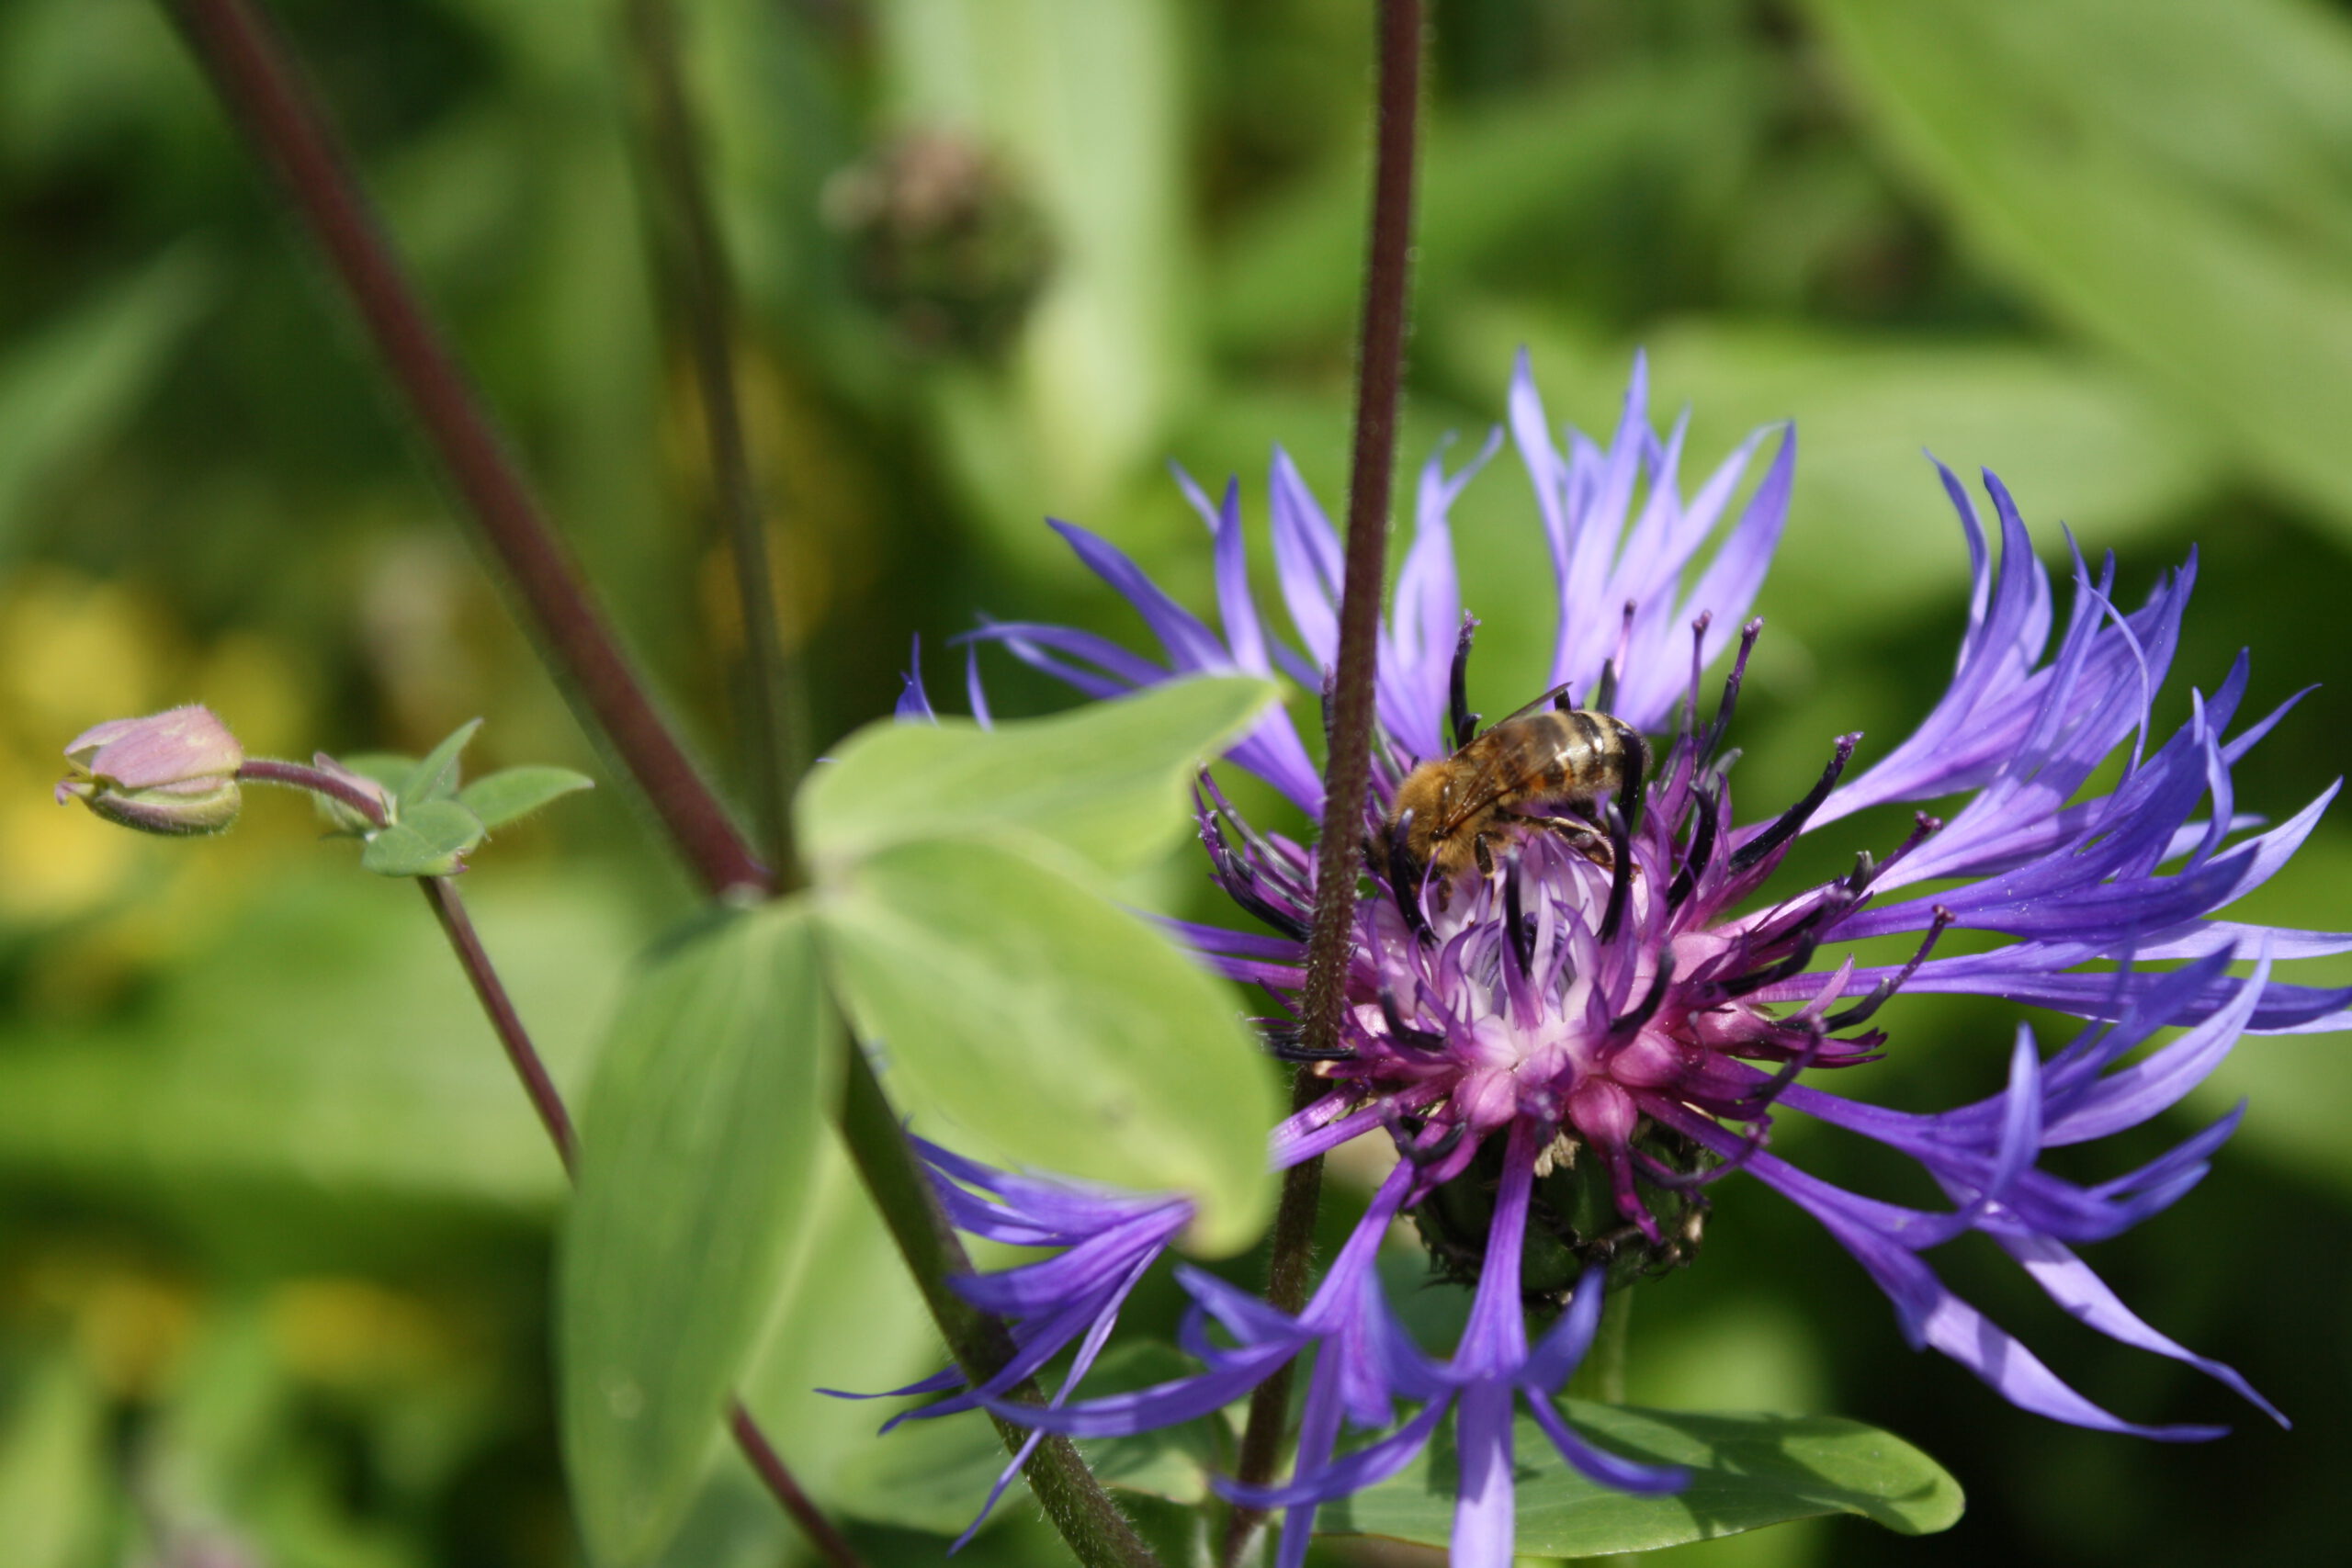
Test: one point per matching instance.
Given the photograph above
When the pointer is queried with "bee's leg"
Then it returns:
(1482, 855)
(1589, 841)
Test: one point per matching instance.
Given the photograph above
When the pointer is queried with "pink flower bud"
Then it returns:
(170, 773)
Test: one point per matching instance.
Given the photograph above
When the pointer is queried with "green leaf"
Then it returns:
(53, 1467)
(1746, 1471)
(2184, 204)
(514, 792)
(846, 1316)
(697, 1148)
(318, 1048)
(430, 839)
(66, 387)
(1032, 1020)
(435, 778)
(1108, 780)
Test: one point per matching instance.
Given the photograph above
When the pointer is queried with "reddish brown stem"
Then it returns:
(288, 129)
(1380, 373)
(450, 911)
(441, 892)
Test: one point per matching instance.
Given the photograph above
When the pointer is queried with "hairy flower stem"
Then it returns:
(1380, 370)
(1073, 1500)
(774, 703)
(250, 69)
(450, 909)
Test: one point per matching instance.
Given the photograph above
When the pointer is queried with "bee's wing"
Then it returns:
(1546, 700)
(1483, 796)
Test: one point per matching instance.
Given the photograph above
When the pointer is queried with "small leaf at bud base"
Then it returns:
(173, 773)
(346, 818)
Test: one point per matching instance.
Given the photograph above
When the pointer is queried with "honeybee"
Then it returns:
(1514, 778)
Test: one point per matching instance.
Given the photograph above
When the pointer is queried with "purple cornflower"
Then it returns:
(1569, 1039)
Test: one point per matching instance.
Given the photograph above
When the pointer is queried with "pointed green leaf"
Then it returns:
(1108, 780)
(435, 777)
(1746, 1471)
(1032, 1020)
(430, 839)
(390, 769)
(513, 793)
(697, 1147)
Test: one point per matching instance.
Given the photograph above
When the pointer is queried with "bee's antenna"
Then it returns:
(1465, 723)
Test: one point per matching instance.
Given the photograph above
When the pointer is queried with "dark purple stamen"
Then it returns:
(1521, 928)
(1632, 792)
(1465, 723)
(1426, 1155)
(1227, 872)
(1702, 847)
(1281, 1038)
(1847, 1018)
(1405, 879)
(1792, 821)
(1756, 980)
(1698, 652)
(1621, 873)
(1647, 1008)
(1402, 1033)
(1604, 694)
(1725, 709)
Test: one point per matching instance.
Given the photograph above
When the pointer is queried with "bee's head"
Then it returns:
(1426, 793)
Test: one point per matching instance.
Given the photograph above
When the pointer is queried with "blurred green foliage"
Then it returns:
(273, 1222)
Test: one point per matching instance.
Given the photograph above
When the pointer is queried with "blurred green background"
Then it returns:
(274, 1226)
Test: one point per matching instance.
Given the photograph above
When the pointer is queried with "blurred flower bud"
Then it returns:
(170, 773)
(945, 239)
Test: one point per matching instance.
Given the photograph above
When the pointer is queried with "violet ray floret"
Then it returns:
(1568, 1042)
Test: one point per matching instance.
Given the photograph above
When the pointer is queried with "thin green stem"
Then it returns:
(777, 721)
(251, 71)
(1380, 371)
